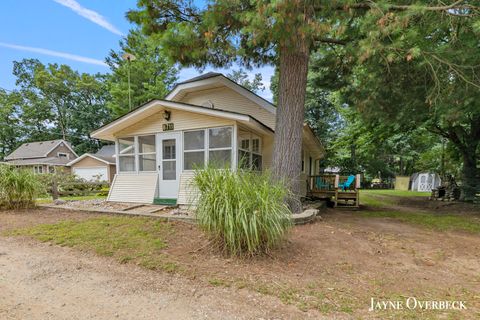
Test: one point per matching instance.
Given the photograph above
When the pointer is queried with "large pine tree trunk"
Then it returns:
(470, 176)
(287, 149)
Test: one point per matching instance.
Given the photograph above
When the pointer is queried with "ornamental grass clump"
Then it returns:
(18, 188)
(243, 212)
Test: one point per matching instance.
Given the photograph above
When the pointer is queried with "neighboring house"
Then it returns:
(207, 119)
(43, 156)
(100, 166)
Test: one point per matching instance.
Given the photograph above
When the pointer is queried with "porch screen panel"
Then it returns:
(220, 147)
(193, 149)
(126, 148)
(147, 158)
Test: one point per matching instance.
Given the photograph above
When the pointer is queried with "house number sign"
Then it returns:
(168, 126)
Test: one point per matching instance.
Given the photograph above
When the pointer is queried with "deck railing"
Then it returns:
(330, 182)
(322, 182)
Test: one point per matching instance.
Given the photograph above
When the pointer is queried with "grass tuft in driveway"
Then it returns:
(128, 239)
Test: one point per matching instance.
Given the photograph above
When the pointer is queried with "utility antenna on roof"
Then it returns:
(129, 57)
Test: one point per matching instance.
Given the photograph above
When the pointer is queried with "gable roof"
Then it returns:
(154, 106)
(214, 79)
(39, 149)
(201, 77)
(107, 151)
(105, 160)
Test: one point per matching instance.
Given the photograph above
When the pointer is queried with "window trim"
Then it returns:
(63, 154)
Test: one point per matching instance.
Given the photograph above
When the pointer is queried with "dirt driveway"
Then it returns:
(40, 281)
(327, 269)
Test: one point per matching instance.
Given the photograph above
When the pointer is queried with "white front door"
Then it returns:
(169, 164)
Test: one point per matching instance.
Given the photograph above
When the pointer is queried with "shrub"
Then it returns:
(242, 211)
(18, 188)
(70, 185)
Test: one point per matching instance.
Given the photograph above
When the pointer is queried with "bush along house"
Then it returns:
(205, 120)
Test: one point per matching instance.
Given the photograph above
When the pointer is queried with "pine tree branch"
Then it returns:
(331, 41)
(457, 5)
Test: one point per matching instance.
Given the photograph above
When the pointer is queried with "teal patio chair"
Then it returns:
(347, 183)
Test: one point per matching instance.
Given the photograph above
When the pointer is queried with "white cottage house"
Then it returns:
(207, 119)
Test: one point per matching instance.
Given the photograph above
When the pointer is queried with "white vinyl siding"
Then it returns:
(188, 193)
(182, 120)
(229, 100)
(137, 188)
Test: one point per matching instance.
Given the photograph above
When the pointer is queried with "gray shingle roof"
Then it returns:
(31, 150)
(53, 161)
(202, 77)
(106, 151)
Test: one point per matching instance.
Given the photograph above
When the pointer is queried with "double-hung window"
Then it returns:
(249, 151)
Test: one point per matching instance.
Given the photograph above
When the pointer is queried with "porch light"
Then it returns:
(166, 115)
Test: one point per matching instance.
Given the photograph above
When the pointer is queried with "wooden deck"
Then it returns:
(326, 187)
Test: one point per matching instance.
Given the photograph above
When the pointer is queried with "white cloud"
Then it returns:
(91, 15)
(52, 53)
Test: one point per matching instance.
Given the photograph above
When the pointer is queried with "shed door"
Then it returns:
(425, 183)
(169, 165)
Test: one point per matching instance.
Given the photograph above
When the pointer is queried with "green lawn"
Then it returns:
(385, 198)
(135, 239)
(49, 200)
(440, 222)
(396, 193)
(386, 205)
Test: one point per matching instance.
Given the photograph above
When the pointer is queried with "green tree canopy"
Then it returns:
(151, 75)
(10, 129)
(58, 102)
(241, 77)
(410, 72)
(279, 32)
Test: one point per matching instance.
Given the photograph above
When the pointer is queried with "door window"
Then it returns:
(169, 159)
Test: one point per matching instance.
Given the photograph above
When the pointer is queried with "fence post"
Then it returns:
(54, 189)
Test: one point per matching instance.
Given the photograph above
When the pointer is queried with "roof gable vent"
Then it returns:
(208, 104)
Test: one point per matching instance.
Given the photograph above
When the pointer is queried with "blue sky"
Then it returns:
(79, 33)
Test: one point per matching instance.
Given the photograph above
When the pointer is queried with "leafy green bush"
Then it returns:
(104, 191)
(243, 212)
(18, 188)
(70, 185)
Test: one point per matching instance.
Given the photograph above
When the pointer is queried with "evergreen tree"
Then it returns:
(259, 32)
(151, 75)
